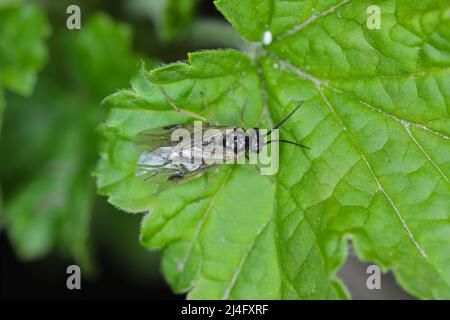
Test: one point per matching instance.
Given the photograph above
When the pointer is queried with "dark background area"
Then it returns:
(47, 280)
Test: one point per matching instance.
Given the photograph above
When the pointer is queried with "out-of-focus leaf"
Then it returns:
(31, 121)
(178, 18)
(49, 149)
(52, 210)
(172, 18)
(99, 57)
(2, 107)
(23, 29)
(376, 117)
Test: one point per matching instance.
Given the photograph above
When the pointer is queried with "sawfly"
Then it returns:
(170, 155)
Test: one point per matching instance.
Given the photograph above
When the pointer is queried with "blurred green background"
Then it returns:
(52, 82)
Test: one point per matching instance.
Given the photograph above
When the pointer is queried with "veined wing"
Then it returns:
(151, 139)
(164, 160)
(158, 166)
(154, 167)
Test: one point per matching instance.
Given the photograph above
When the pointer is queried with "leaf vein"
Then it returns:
(244, 258)
(201, 223)
(310, 20)
(391, 202)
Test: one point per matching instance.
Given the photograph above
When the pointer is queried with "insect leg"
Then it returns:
(176, 176)
(188, 113)
(154, 174)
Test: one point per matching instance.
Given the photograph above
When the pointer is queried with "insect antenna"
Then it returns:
(286, 118)
(289, 142)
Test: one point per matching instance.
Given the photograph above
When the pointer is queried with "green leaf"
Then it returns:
(376, 117)
(50, 142)
(23, 29)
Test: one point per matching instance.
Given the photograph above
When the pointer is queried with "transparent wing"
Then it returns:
(156, 175)
(152, 139)
(167, 175)
(154, 166)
